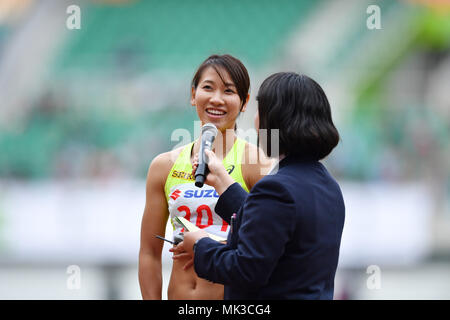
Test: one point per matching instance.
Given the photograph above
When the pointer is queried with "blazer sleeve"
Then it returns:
(230, 201)
(267, 225)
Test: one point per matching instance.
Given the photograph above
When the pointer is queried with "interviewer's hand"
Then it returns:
(218, 176)
(185, 249)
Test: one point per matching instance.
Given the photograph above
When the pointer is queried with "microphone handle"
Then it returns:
(200, 178)
(202, 169)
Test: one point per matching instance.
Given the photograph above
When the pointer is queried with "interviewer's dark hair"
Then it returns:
(298, 107)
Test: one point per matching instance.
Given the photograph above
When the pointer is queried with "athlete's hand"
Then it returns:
(218, 176)
(185, 249)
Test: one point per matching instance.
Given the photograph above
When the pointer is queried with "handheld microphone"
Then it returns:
(209, 133)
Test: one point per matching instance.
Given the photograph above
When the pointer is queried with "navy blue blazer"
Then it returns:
(284, 242)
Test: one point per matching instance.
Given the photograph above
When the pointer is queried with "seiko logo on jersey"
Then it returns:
(189, 176)
(183, 175)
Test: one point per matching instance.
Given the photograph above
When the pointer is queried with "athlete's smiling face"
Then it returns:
(216, 99)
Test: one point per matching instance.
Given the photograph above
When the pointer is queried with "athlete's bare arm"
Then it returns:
(154, 222)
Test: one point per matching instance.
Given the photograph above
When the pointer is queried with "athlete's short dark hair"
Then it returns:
(297, 106)
(235, 68)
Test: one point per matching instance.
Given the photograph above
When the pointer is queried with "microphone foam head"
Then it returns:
(209, 127)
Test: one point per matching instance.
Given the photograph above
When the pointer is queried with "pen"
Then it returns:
(233, 218)
(159, 237)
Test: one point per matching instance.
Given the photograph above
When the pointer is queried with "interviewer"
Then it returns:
(285, 236)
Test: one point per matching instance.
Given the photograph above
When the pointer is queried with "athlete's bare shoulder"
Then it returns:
(255, 164)
(169, 157)
(255, 155)
(163, 163)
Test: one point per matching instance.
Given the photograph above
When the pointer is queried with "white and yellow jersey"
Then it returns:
(197, 204)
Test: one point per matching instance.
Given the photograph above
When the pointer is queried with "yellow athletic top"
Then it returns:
(197, 204)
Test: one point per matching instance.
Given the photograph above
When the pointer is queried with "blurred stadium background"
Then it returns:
(83, 113)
